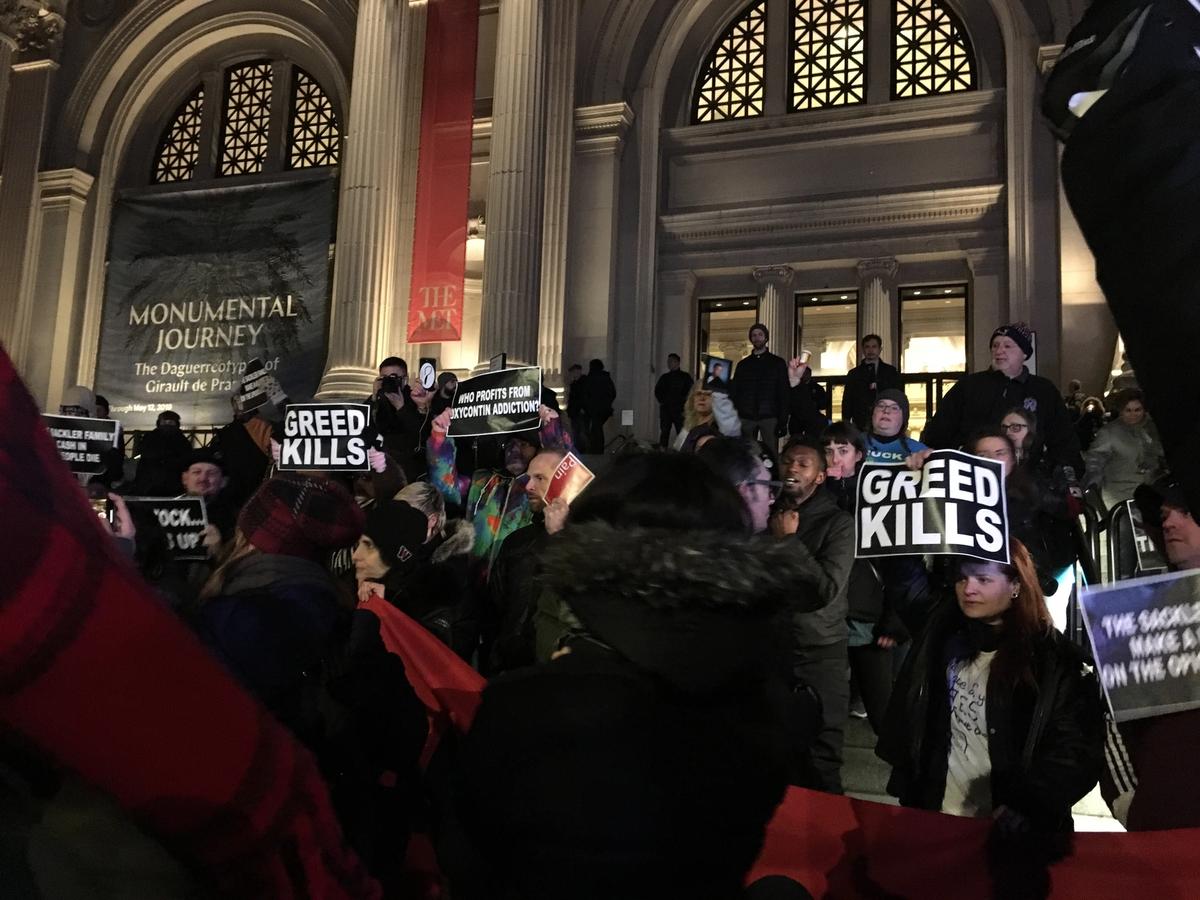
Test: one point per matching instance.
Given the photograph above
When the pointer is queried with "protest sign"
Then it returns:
(427, 373)
(327, 436)
(569, 479)
(955, 504)
(497, 403)
(1145, 636)
(716, 370)
(184, 519)
(1148, 556)
(82, 442)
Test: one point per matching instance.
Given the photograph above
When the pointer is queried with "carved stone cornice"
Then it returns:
(917, 211)
(882, 267)
(602, 129)
(1048, 55)
(986, 261)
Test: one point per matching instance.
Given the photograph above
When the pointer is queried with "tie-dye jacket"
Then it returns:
(494, 502)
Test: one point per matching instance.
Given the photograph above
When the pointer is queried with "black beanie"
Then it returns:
(898, 397)
(398, 531)
(1019, 334)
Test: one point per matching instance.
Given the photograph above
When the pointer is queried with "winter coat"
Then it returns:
(647, 761)
(274, 620)
(805, 404)
(1143, 782)
(245, 460)
(1122, 457)
(862, 387)
(760, 387)
(405, 433)
(824, 542)
(513, 591)
(982, 398)
(438, 593)
(671, 391)
(596, 394)
(864, 590)
(162, 456)
(1045, 744)
(494, 502)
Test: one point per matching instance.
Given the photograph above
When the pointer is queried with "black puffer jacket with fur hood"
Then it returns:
(648, 760)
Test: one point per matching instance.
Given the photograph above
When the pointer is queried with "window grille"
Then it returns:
(829, 62)
(179, 150)
(314, 126)
(932, 50)
(733, 82)
(247, 120)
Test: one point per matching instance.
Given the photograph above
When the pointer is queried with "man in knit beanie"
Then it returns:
(981, 399)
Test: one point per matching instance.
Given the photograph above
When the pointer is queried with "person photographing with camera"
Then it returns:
(400, 412)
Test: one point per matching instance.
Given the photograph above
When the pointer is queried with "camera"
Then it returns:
(391, 384)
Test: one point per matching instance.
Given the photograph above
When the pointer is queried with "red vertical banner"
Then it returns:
(435, 302)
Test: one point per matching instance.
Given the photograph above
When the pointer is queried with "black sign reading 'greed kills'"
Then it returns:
(328, 436)
(954, 504)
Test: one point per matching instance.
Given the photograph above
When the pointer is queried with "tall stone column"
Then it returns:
(989, 266)
(562, 20)
(364, 273)
(878, 302)
(777, 307)
(8, 49)
(512, 264)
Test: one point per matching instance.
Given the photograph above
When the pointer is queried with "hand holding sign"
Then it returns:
(570, 478)
(955, 504)
(331, 437)
(497, 403)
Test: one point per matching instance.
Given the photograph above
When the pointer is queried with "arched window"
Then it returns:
(932, 53)
(254, 128)
(179, 149)
(829, 60)
(733, 81)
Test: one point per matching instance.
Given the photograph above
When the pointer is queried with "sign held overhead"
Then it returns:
(955, 504)
(82, 442)
(497, 403)
(328, 436)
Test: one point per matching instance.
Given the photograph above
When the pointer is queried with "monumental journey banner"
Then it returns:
(435, 304)
(81, 442)
(200, 283)
(182, 519)
(1146, 636)
(332, 437)
(955, 504)
(497, 403)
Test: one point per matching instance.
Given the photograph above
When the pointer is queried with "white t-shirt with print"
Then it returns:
(968, 775)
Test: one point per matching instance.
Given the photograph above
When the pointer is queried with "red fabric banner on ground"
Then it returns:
(435, 302)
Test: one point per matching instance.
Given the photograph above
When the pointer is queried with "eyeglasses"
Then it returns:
(775, 488)
(888, 407)
(1015, 426)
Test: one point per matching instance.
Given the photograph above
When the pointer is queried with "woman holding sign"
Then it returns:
(995, 713)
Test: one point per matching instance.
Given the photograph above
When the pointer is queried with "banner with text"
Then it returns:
(200, 283)
(1148, 556)
(497, 403)
(1146, 639)
(435, 304)
(328, 436)
(83, 442)
(955, 504)
(184, 519)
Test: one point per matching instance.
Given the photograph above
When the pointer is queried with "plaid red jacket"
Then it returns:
(102, 677)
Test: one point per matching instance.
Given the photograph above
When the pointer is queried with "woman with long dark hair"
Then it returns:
(995, 713)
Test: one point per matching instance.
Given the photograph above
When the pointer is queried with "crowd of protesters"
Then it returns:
(685, 640)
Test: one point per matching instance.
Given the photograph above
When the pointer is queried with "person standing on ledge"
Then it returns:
(865, 381)
(671, 391)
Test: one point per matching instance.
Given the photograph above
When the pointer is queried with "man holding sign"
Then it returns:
(495, 502)
(555, 478)
(331, 437)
